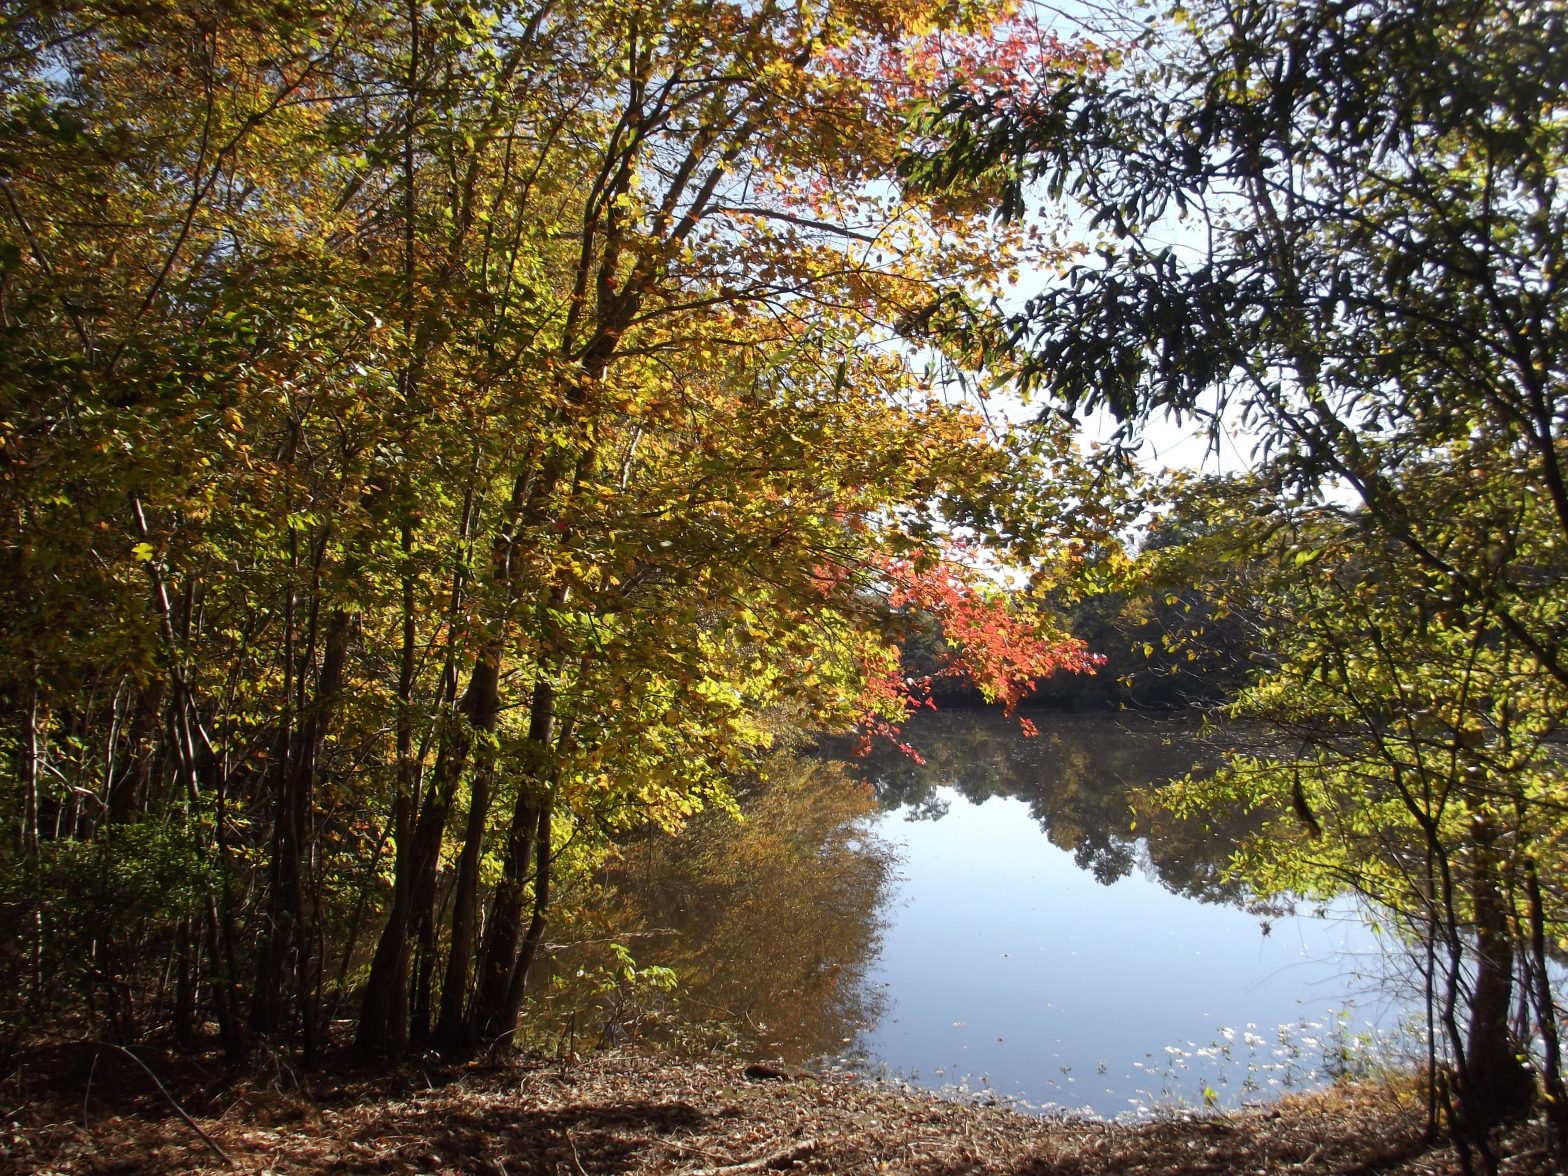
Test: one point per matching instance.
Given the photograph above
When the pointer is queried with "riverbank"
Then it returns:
(638, 1115)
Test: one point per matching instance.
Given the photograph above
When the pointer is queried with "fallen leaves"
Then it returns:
(625, 1114)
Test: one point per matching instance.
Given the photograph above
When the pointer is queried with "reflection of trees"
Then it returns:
(1086, 778)
(768, 923)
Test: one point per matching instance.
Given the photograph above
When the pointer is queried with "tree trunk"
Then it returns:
(453, 1033)
(1545, 1005)
(543, 860)
(490, 1019)
(131, 788)
(224, 996)
(1496, 1084)
(286, 941)
(384, 1016)
(184, 1013)
(419, 993)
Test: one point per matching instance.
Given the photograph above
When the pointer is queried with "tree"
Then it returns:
(1374, 289)
(1168, 610)
(1424, 779)
(690, 497)
(437, 439)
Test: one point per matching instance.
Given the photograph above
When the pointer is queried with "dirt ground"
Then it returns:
(88, 1108)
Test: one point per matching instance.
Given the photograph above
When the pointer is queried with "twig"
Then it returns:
(624, 935)
(178, 1110)
(690, 1149)
(88, 1093)
(1306, 1164)
(576, 1159)
(778, 1159)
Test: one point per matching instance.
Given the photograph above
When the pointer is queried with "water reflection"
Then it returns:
(1085, 976)
(768, 925)
(1089, 781)
(1016, 915)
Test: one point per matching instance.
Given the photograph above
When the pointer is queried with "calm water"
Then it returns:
(990, 922)
(1036, 947)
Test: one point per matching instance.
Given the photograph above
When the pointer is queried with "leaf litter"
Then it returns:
(623, 1113)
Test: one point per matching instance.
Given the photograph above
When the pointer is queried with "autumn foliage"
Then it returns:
(986, 643)
(438, 440)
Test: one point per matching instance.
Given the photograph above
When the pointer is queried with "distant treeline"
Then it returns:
(1173, 650)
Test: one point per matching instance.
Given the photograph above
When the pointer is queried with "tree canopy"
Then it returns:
(1341, 227)
(436, 439)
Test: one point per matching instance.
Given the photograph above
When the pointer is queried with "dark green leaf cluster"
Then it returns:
(1340, 228)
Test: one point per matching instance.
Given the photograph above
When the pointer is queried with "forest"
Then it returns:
(441, 441)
